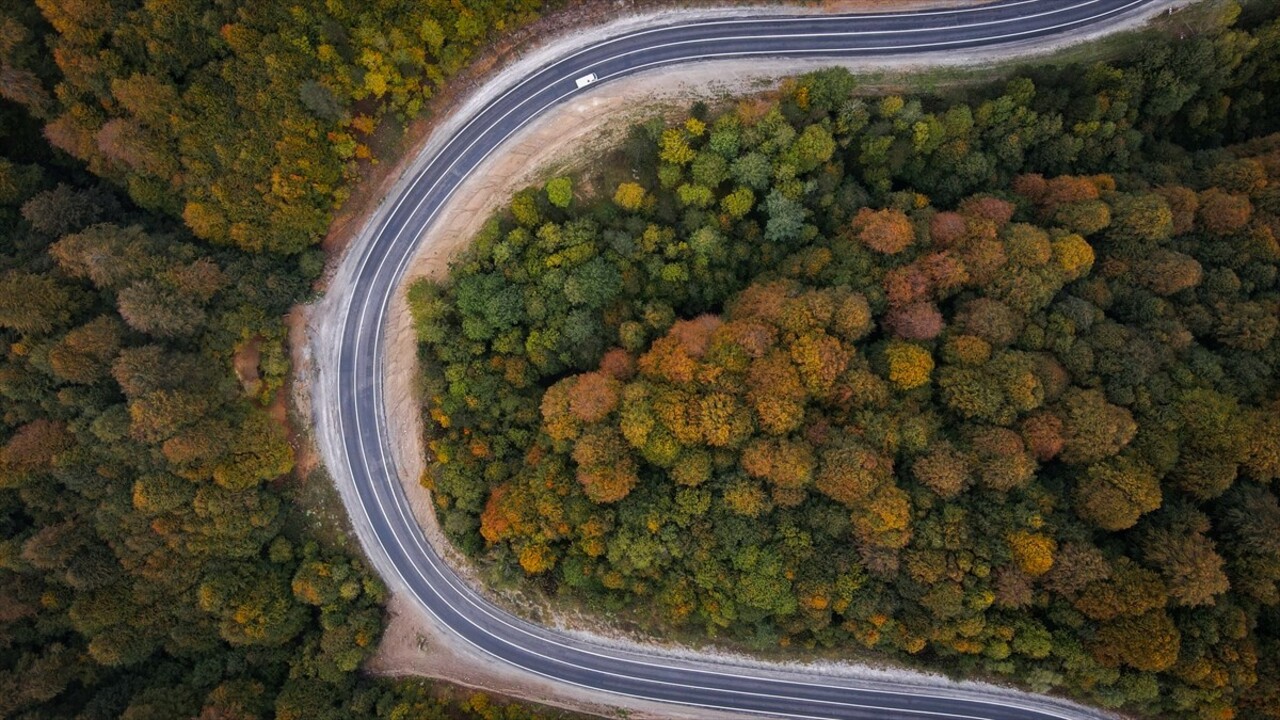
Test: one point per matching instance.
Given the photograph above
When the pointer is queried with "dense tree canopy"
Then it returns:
(153, 561)
(989, 383)
(247, 119)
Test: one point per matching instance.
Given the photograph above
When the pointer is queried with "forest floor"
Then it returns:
(565, 139)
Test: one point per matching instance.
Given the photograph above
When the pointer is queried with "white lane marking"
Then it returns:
(748, 21)
(377, 346)
(382, 419)
(781, 19)
(553, 64)
(483, 609)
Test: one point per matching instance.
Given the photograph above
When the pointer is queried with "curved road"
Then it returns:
(362, 421)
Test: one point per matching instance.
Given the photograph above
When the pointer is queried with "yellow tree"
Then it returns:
(909, 365)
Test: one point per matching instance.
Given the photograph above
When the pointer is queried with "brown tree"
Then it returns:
(1125, 590)
(1114, 493)
(990, 320)
(592, 396)
(1148, 642)
(885, 231)
(784, 463)
(943, 469)
(917, 321)
(1094, 428)
(1223, 213)
(947, 229)
(1043, 434)
(1076, 566)
(33, 448)
(849, 472)
(1166, 272)
(84, 355)
(32, 303)
(1183, 205)
(150, 307)
(1185, 558)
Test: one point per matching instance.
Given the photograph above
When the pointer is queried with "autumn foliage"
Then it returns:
(989, 385)
(885, 231)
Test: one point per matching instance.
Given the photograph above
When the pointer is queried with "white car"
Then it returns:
(586, 80)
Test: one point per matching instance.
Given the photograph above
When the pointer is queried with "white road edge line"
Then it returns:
(388, 463)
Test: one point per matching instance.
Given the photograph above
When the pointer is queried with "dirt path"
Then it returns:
(564, 138)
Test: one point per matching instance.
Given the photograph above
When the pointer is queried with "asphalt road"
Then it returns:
(362, 419)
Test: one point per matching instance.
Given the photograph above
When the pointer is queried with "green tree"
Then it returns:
(32, 303)
(560, 192)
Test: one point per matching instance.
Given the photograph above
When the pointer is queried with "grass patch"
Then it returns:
(317, 509)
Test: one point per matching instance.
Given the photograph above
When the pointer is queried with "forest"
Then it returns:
(246, 120)
(984, 381)
(159, 192)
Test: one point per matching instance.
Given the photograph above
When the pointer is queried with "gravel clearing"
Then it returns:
(564, 138)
